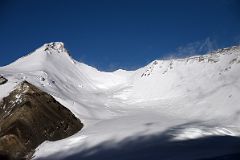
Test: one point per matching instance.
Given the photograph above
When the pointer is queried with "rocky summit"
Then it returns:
(28, 117)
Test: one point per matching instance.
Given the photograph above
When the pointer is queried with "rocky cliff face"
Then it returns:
(29, 116)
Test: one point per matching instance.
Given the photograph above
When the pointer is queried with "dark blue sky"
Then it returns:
(110, 34)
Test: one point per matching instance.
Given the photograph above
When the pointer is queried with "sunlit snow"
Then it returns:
(189, 98)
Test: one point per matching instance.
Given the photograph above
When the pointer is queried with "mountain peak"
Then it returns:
(54, 46)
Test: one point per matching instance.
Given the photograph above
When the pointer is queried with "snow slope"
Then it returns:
(183, 98)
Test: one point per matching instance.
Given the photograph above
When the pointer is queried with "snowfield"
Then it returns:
(170, 109)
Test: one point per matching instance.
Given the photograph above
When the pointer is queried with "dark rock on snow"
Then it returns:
(3, 80)
(28, 117)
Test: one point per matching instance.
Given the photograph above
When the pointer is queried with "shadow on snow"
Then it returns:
(162, 147)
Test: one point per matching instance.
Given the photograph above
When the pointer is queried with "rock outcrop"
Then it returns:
(3, 80)
(28, 117)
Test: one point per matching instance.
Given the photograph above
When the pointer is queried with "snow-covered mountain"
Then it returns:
(184, 98)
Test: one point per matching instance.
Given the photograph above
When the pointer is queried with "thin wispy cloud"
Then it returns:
(198, 47)
(237, 40)
(193, 48)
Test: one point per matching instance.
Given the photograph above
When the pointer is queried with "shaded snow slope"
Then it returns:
(191, 98)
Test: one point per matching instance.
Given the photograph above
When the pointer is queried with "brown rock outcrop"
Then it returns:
(28, 117)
